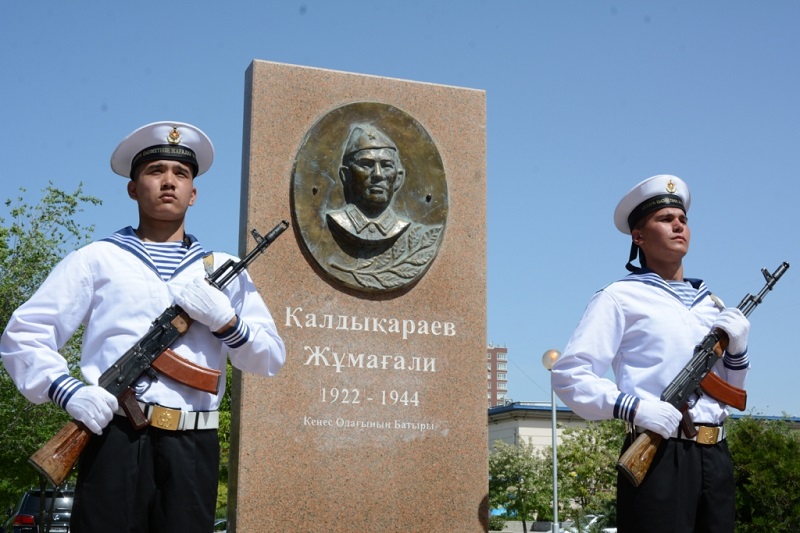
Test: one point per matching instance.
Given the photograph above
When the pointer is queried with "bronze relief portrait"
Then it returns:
(369, 197)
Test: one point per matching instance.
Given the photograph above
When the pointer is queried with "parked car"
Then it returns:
(32, 515)
(220, 525)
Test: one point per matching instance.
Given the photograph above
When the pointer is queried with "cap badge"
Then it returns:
(671, 187)
(174, 137)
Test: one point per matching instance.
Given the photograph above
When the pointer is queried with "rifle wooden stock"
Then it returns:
(635, 462)
(55, 459)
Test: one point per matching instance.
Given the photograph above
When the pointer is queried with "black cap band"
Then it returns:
(654, 204)
(165, 151)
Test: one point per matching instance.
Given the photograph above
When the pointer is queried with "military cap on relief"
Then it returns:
(367, 137)
(652, 194)
(163, 140)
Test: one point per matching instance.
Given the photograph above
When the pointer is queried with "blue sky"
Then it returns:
(584, 99)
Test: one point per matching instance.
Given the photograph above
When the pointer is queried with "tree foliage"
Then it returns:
(766, 459)
(520, 477)
(36, 238)
(518, 481)
(32, 241)
(224, 433)
(587, 459)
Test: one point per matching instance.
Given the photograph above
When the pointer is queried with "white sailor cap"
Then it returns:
(163, 140)
(652, 194)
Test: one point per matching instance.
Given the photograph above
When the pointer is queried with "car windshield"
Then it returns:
(61, 503)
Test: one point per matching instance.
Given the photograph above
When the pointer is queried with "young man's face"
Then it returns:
(163, 189)
(664, 236)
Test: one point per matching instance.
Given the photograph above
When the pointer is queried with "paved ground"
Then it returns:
(516, 527)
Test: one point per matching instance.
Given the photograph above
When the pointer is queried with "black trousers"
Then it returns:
(689, 488)
(147, 481)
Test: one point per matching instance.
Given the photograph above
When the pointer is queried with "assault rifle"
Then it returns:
(55, 458)
(695, 378)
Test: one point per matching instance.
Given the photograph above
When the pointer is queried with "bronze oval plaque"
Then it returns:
(369, 197)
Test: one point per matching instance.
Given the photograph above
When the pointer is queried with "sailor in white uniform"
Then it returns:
(155, 479)
(644, 328)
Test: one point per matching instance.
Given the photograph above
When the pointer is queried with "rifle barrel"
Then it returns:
(224, 274)
(750, 302)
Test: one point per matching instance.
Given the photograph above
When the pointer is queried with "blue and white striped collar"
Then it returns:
(127, 239)
(648, 277)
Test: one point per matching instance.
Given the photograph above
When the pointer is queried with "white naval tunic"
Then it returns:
(640, 329)
(113, 288)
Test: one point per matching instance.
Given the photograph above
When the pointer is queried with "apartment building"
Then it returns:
(496, 375)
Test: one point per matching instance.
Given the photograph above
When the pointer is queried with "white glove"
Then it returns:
(735, 324)
(206, 304)
(657, 416)
(93, 406)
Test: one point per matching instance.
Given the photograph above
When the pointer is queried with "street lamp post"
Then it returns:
(548, 360)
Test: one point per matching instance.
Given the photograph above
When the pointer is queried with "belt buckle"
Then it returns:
(165, 418)
(708, 435)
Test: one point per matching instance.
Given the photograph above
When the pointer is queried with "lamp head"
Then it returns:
(549, 358)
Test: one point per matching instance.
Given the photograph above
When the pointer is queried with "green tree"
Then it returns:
(518, 476)
(766, 458)
(587, 457)
(35, 238)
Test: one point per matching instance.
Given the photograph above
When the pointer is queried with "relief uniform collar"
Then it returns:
(384, 222)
